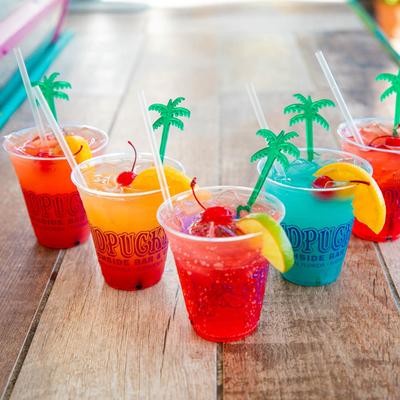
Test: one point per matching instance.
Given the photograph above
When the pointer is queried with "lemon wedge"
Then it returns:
(79, 147)
(368, 203)
(147, 180)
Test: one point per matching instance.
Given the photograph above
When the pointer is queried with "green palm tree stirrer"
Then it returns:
(307, 111)
(274, 152)
(52, 90)
(168, 117)
(394, 88)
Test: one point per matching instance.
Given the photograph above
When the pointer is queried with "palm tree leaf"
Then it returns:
(61, 95)
(52, 77)
(387, 77)
(301, 98)
(177, 101)
(265, 152)
(389, 91)
(176, 122)
(181, 112)
(292, 108)
(267, 134)
(291, 149)
(296, 119)
(321, 120)
(159, 108)
(282, 159)
(62, 85)
(159, 122)
(290, 135)
(317, 105)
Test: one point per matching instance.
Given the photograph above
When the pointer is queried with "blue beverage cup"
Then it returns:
(318, 222)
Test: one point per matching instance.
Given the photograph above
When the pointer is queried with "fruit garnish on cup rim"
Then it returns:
(276, 247)
(368, 202)
(125, 178)
(79, 147)
(147, 180)
(219, 222)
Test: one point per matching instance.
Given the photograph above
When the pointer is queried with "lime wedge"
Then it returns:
(276, 245)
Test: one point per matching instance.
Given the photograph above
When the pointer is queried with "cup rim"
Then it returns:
(341, 128)
(183, 235)
(311, 189)
(59, 158)
(122, 156)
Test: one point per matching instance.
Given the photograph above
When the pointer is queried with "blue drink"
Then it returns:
(318, 222)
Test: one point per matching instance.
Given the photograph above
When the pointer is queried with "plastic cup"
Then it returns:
(131, 246)
(223, 279)
(318, 226)
(385, 163)
(54, 206)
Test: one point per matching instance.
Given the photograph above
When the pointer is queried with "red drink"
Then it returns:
(385, 161)
(223, 278)
(54, 206)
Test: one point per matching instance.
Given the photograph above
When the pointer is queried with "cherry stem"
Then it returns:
(192, 185)
(80, 149)
(357, 181)
(134, 149)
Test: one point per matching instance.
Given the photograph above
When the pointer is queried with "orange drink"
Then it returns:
(130, 244)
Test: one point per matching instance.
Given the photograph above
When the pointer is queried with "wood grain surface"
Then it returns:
(336, 342)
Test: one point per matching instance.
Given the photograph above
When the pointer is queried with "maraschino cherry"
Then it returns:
(323, 182)
(219, 215)
(127, 177)
(386, 142)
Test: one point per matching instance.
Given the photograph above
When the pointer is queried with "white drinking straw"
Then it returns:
(262, 122)
(339, 97)
(28, 88)
(58, 133)
(157, 160)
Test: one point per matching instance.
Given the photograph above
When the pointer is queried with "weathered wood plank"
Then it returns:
(316, 342)
(26, 267)
(116, 344)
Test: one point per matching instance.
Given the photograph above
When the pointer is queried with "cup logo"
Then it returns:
(319, 247)
(144, 246)
(55, 209)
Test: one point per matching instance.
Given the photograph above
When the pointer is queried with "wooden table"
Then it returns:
(65, 334)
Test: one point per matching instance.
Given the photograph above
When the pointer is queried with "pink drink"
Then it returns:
(223, 278)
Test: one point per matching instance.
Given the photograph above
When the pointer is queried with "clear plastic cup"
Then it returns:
(318, 222)
(131, 246)
(223, 279)
(54, 206)
(385, 163)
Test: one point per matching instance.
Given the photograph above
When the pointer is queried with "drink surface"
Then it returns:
(318, 227)
(384, 160)
(223, 278)
(53, 203)
(30, 144)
